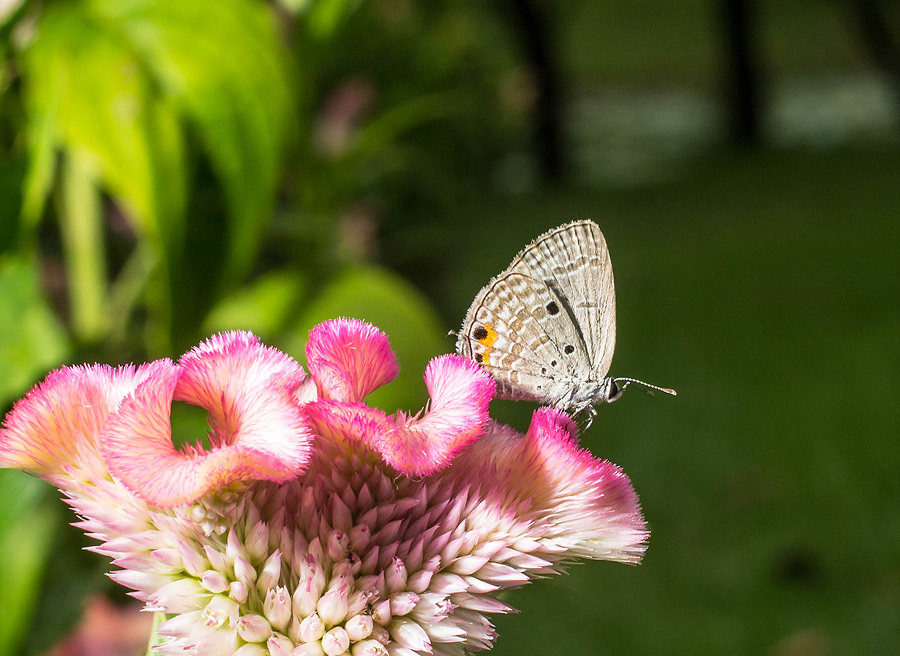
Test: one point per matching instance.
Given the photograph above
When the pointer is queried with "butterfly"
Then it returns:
(546, 326)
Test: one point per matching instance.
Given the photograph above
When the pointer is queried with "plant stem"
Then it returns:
(155, 638)
(81, 219)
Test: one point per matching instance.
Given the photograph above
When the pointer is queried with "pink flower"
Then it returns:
(315, 524)
(87, 424)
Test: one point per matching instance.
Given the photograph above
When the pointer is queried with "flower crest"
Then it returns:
(313, 523)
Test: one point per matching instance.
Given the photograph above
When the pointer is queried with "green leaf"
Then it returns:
(31, 339)
(225, 67)
(87, 90)
(392, 304)
(40, 137)
(324, 17)
(27, 525)
(118, 82)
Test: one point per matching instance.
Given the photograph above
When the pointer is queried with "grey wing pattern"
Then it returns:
(573, 260)
(505, 330)
(536, 325)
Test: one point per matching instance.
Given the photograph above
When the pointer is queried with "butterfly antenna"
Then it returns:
(647, 388)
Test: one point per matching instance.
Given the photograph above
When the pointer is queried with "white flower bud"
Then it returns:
(403, 602)
(336, 641)
(338, 545)
(305, 598)
(312, 628)
(369, 648)
(359, 627)
(381, 612)
(253, 628)
(341, 518)
(191, 558)
(216, 558)
(257, 540)
(218, 610)
(238, 591)
(277, 608)
(270, 573)
(244, 572)
(279, 645)
(358, 601)
(309, 649)
(419, 581)
(410, 634)
(332, 607)
(214, 581)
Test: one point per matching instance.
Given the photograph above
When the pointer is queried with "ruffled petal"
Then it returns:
(349, 359)
(339, 421)
(257, 430)
(460, 392)
(584, 505)
(56, 428)
(231, 363)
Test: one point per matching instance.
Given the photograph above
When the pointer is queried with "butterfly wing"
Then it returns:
(573, 261)
(533, 326)
(531, 353)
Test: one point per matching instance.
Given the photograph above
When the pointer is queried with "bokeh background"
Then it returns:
(171, 168)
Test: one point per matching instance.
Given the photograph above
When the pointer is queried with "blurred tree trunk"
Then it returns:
(879, 41)
(743, 78)
(532, 26)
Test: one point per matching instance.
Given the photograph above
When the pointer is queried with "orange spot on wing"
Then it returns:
(488, 343)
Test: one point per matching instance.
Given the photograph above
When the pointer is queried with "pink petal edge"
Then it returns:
(460, 392)
(589, 503)
(55, 429)
(257, 430)
(349, 358)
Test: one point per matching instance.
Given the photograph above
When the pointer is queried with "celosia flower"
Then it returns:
(315, 524)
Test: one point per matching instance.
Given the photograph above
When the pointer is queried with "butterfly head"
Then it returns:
(609, 391)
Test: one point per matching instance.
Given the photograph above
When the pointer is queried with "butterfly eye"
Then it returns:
(613, 392)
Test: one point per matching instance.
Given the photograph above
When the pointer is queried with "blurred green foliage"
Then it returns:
(31, 338)
(27, 527)
(170, 168)
(110, 93)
